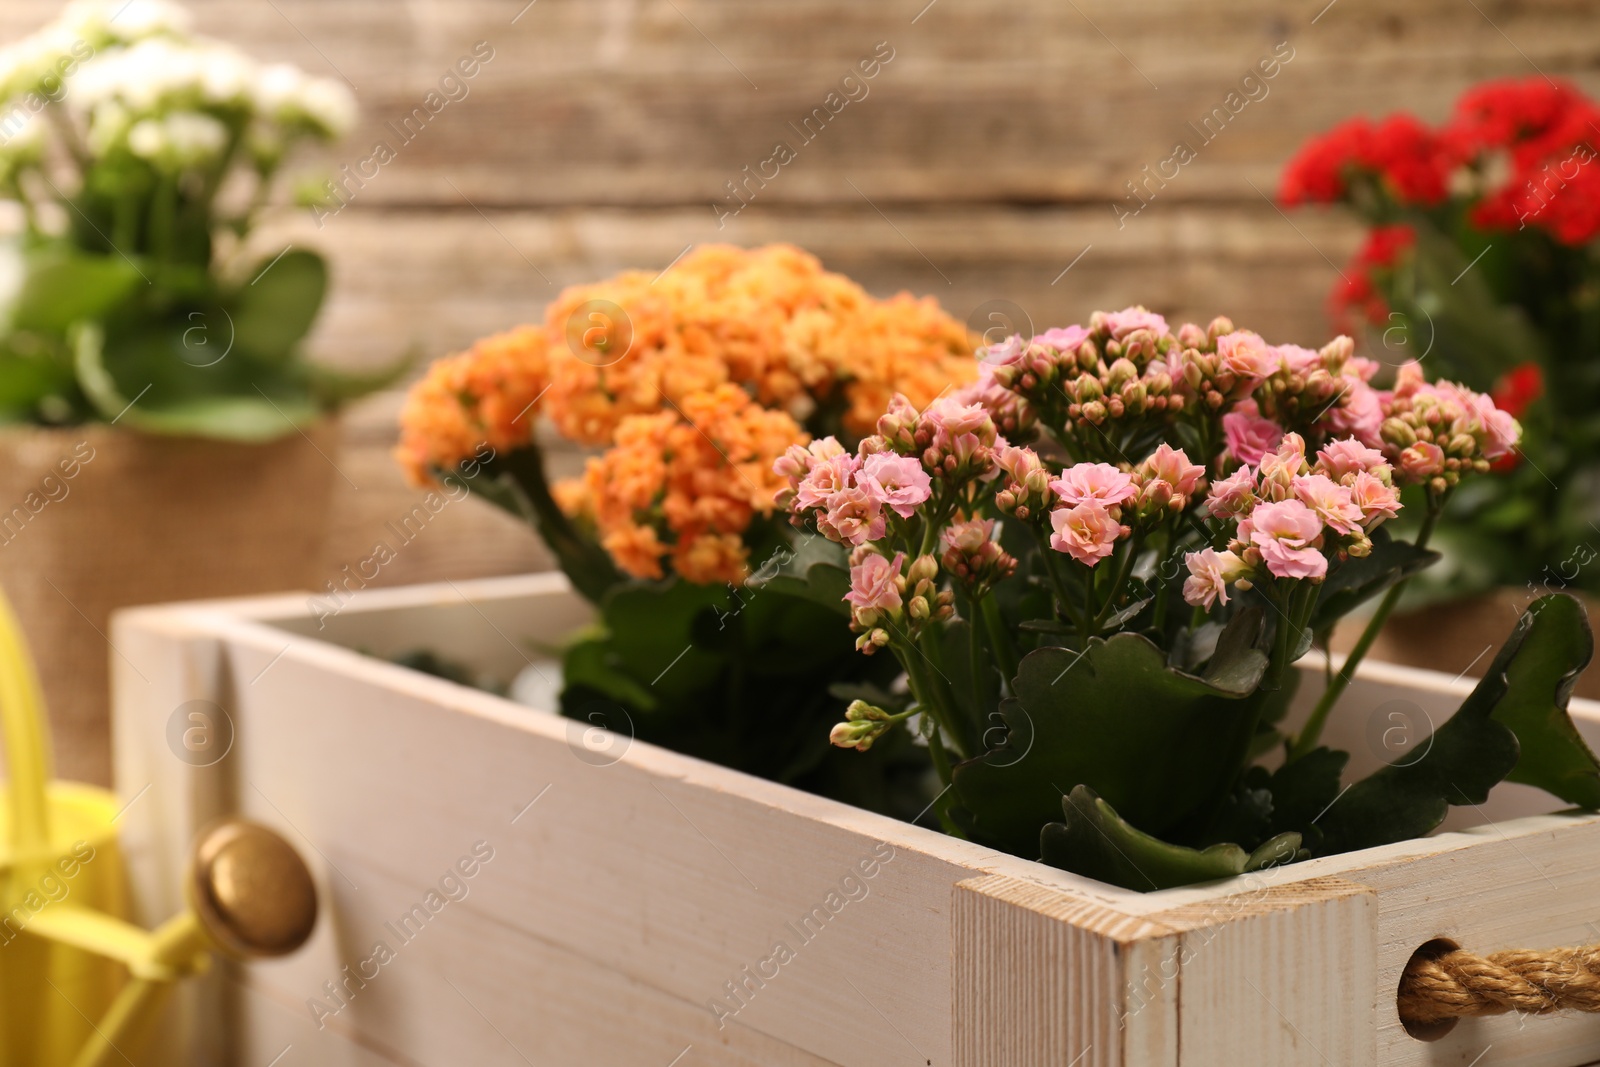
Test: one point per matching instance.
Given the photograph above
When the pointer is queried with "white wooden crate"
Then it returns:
(620, 904)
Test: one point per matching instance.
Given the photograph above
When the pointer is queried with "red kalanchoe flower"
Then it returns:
(1357, 294)
(1400, 150)
(1546, 133)
(1316, 174)
(1519, 387)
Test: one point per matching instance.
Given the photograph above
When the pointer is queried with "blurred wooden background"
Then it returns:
(984, 161)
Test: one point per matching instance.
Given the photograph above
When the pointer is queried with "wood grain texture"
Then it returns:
(1287, 971)
(1043, 979)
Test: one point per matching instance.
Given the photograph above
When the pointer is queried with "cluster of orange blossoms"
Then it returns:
(770, 320)
(485, 395)
(703, 477)
(695, 380)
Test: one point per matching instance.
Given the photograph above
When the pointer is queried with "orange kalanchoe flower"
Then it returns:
(770, 320)
(485, 395)
(696, 379)
(686, 485)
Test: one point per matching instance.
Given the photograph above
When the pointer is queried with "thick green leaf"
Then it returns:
(1514, 724)
(824, 584)
(62, 288)
(256, 417)
(739, 677)
(1556, 647)
(333, 387)
(1094, 841)
(1356, 580)
(274, 311)
(1158, 744)
(1303, 790)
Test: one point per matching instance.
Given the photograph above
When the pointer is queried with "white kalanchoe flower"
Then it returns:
(21, 139)
(182, 139)
(108, 128)
(106, 21)
(329, 105)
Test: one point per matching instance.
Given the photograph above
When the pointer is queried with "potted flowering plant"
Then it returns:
(1480, 259)
(1097, 633)
(146, 349)
(1086, 644)
(690, 385)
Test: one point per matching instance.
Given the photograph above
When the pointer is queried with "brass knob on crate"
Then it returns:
(251, 890)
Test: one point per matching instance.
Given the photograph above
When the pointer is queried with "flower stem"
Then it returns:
(1064, 603)
(1312, 731)
(1005, 652)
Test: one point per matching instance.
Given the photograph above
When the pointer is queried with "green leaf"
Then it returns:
(225, 417)
(824, 584)
(1556, 646)
(333, 387)
(739, 677)
(1157, 743)
(274, 311)
(1513, 725)
(1094, 841)
(62, 288)
(1358, 579)
(1303, 790)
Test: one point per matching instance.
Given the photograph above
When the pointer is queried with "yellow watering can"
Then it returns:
(79, 982)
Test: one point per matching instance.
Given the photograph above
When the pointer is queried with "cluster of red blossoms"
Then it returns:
(1519, 153)
(1514, 155)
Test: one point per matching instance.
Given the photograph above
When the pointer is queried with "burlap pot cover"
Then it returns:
(95, 518)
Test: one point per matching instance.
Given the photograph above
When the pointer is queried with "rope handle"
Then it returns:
(1443, 982)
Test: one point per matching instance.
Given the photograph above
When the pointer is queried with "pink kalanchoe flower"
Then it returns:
(1066, 338)
(1361, 414)
(798, 460)
(1286, 462)
(855, 516)
(897, 482)
(1376, 499)
(1086, 532)
(1284, 532)
(826, 478)
(1234, 495)
(873, 583)
(1422, 461)
(1501, 431)
(1250, 436)
(954, 417)
(1347, 456)
(1017, 461)
(1408, 380)
(969, 536)
(1295, 359)
(1096, 483)
(1331, 502)
(1004, 353)
(1172, 466)
(1245, 355)
(1122, 323)
(1210, 572)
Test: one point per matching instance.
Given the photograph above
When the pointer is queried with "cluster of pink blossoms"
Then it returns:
(1292, 516)
(1426, 430)
(934, 470)
(1436, 432)
(1321, 393)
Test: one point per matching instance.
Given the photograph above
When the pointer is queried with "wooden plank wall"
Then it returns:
(985, 158)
